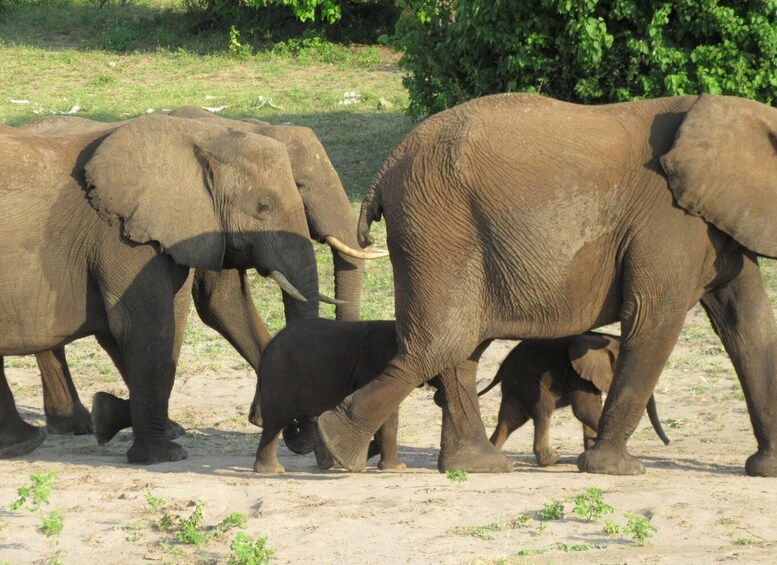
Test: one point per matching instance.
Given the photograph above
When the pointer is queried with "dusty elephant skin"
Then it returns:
(163, 195)
(311, 366)
(223, 299)
(541, 375)
(519, 216)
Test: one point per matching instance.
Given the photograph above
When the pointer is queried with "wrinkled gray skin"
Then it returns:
(312, 365)
(163, 196)
(517, 216)
(542, 375)
(222, 299)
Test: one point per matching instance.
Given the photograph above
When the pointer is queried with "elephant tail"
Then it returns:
(492, 384)
(653, 415)
(371, 211)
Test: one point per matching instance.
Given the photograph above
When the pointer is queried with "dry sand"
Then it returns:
(695, 491)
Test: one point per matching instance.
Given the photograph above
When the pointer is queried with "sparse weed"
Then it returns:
(573, 547)
(154, 502)
(245, 550)
(457, 476)
(482, 532)
(639, 527)
(745, 541)
(553, 511)
(591, 505)
(189, 528)
(52, 524)
(611, 527)
(37, 492)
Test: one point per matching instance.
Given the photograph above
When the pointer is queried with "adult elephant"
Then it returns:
(519, 216)
(100, 231)
(223, 299)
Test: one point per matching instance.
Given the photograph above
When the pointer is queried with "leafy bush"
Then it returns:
(587, 50)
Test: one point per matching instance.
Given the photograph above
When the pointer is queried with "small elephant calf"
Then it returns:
(308, 368)
(541, 375)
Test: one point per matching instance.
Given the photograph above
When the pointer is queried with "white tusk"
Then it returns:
(286, 286)
(368, 253)
(330, 300)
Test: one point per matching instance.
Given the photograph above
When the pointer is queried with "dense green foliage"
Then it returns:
(587, 50)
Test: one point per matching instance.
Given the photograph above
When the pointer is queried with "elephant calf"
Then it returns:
(308, 368)
(541, 375)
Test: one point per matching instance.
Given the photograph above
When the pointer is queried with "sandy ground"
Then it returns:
(695, 492)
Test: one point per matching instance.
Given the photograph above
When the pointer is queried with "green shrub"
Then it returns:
(249, 551)
(587, 50)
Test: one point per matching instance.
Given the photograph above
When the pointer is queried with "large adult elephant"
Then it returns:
(100, 231)
(223, 298)
(519, 216)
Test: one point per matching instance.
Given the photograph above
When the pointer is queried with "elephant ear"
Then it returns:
(156, 176)
(593, 357)
(723, 167)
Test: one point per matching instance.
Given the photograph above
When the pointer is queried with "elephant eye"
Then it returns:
(264, 207)
(303, 187)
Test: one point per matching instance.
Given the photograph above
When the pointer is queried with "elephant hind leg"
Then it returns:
(387, 439)
(17, 437)
(267, 452)
(65, 414)
(511, 417)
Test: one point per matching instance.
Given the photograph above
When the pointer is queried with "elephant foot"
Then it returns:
(148, 452)
(22, 439)
(547, 457)
(299, 436)
(762, 464)
(346, 448)
(607, 460)
(268, 468)
(473, 457)
(110, 415)
(323, 457)
(77, 424)
(174, 430)
(392, 464)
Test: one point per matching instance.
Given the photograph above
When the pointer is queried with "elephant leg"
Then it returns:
(267, 452)
(464, 444)
(17, 437)
(651, 320)
(587, 408)
(543, 452)
(386, 437)
(511, 417)
(111, 414)
(741, 314)
(65, 414)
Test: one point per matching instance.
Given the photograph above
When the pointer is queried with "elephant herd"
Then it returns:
(510, 216)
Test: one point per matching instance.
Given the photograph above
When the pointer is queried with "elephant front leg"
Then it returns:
(543, 452)
(65, 414)
(742, 316)
(464, 444)
(17, 437)
(386, 438)
(644, 350)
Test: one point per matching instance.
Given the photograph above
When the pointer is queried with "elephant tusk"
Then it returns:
(286, 286)
(329, 300)
(368, 253)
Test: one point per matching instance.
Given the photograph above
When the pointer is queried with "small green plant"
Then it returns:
(639, 527)
(52, 524)
(234, 520)
(573, 547)
(591, 505)
(189, 528)
(457, 476)
(611, 527)
(745, 541)
(154, 502)
(236, 48)
(553, 511)
(37, 492)
(245, 550)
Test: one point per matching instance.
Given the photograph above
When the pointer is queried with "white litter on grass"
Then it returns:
(19, 101)
(150, 111)
(72, 110)
(214, 109)
(351, 98)
(211, 97)
(261, 101)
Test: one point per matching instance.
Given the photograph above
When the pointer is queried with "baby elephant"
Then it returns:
(308, 368)
(541, 375)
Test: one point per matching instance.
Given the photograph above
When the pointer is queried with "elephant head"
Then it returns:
(211, 197)
(723, 167)
(329, 214)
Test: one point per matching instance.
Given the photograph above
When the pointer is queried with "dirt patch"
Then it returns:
(695, 492)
